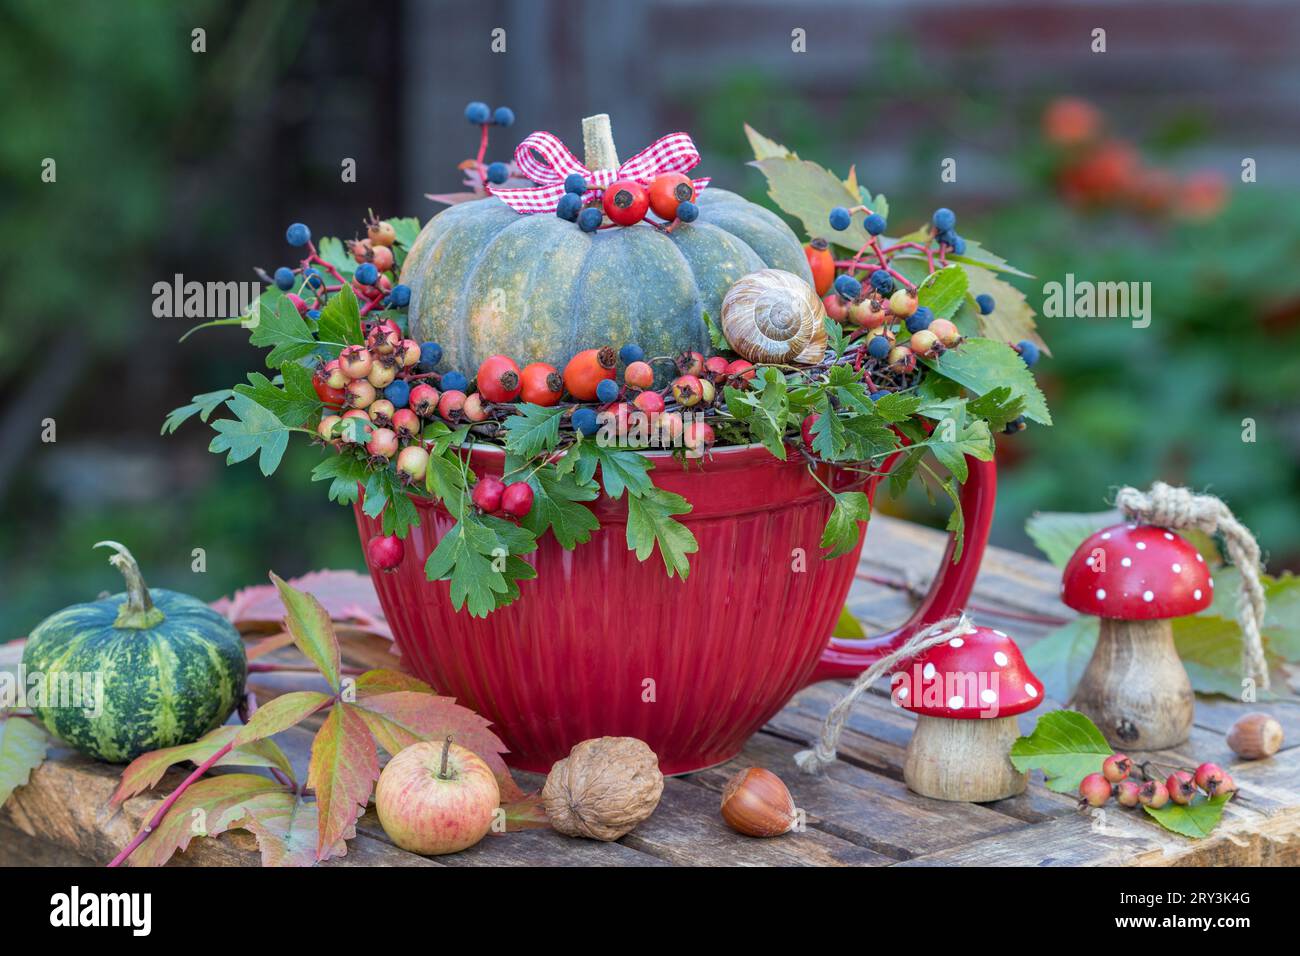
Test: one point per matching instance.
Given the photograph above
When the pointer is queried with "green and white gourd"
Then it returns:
(167, 668)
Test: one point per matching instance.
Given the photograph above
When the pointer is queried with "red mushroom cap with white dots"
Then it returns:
(980, 674)
(1137, 572)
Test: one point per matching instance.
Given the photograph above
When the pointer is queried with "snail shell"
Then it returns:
(773, 316)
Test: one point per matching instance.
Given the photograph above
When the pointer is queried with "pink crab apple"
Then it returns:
(487, 494)
(355, 360)
(424, 400)
(385, 552)
(1094, 790)
(412, 463)
(1181, 786)
(406, 423)
(382, 443)
(435, 798)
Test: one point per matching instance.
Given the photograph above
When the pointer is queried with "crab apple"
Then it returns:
(298, 303)
(381, 375)
(835, 306)
(698, 437)
(587, 369)
(385, 284)
(406, 423)
(1128, 793)
(381, 233)
(473, 409)
(866, 314)
(667, 192)
(708, 391)
(1116, 767)
(924, 343)
(381, 412)
(423, 400)
(382, 257)
(333, 374)
(1153, 794)
(741, 370)
(1228, 785)
(384, 552)
(360, 250)
(360, 394)
(670, 426)
(326, 427)
(903, 302)
(412, 463)
(384, 337)
(652, 403)
(822, 264)
(540, 384)
(901, 359)
(383, 443)
(498, 379)
(1094, 789)
(330, 396)
(408, 353)
(688, 390)
(451, 403)
(715, 366)
(487, 493)
(1181, 786)
(946, 333)
(517, 499)
(625, 202)
(1209, 777)
(356, 360)
(806, 429)
(639, 375)
(690, 363)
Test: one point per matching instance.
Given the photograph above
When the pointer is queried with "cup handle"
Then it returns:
(846, 658)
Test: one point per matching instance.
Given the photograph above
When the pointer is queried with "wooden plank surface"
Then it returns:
(859, 813)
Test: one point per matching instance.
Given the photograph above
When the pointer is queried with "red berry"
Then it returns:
(708, 391)
(1094, 789)
(1209, 777)
(715, 366)
(382, 257)
(381, 233)
(924, 343)
(408, 353)
(903, 302)
(690, 363)
(384, 337)
(298, 303)
(639, 375)
(1181, 786)
(1228, 785)
(1128, 793)
(450, 404)
(329, 395)
(381, 412)
(473, 409)
(1116, 767)
(326, 427)
(359, 250)
(741, 371)
(498, 379)
(866, 314)
(901, 359)
(381, 375)
(698, 438)
(385, 552)
(517, 499)
(626, 202)
(487, 494)
(688, 390)
(806, 429)
(540, 384)
(822, 264)
(945, 332)
(667, 192)
(1153, 794)
(424, 400)
(355, 360)
(587, 370)
(382, 444)
(333, 375)
(406, 423)
(412, 463)
(360, 394)
(652, 403)
(835, 306)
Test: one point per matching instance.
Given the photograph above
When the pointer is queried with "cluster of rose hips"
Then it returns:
(1181, 786)
(373, 281)
(670, 196)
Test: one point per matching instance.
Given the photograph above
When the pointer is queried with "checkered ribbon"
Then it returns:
(547, 161)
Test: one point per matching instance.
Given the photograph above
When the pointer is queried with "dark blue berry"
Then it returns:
(430, 354)
(401, 295)
(877, 396)
(589, 219)
(1016, 424)
(313, 277)
(944, 219)
(497, 173)
(882, 282)
(313, 314)
(920, 319)
(585, 421)
(985, 302)
(453, 381)
(875, 224)
(878, 347)
(569, 206)
(607, 390)
(297, 235)
(398, 393)
(478, 113)
(503, 116)
(956, 243)
(284, 278)
(840, 218)
(1029, 352)
(367, 274)
(631, 353)
(848, 287)
(575, 183)
(687, 211)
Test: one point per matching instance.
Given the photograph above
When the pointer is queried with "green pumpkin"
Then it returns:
(172, 669)
(486, 280)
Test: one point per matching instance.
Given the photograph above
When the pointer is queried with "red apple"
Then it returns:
(436, 798)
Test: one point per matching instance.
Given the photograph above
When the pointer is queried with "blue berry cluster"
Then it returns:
(480, 114)
(944, 221)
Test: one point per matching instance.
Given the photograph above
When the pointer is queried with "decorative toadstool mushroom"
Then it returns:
(966, 695)
(1135, 577)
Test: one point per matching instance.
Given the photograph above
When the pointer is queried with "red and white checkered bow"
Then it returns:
(547, 161)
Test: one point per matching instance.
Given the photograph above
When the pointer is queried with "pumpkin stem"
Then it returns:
(598, 143)
(138, 612)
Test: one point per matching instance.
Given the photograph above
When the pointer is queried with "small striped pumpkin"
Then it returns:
(485, 279)
(157, 668)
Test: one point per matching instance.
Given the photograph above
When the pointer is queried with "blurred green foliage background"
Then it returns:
(172, 162)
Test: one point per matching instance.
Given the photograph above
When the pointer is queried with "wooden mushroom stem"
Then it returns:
(1136, 689)
(966, 760)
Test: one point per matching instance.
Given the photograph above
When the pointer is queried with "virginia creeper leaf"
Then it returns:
(22, 750)
(313, 631)
(343, 771)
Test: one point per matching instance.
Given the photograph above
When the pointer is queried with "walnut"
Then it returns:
(604, 788)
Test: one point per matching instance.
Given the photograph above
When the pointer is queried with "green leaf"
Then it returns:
(763, 147)
(1058, 534)
(1196, 820)
(977, 255)
(982, 365)
(716, 338)
(842, 530)
(834, 336)
(1065, 745)
(533, 430)
(406, 228)
(340, 320)
(344, 472)
(848, 627)
(896, 407)
(385, 496)
(1012, 318)
(309, 624)
(334, 252)
(943, 292)
(620, 470)
(445, 479)
(996, 407)
(650, 522)
(281, 713)
(1059, 658)
(764, 408)
(255, 431)
(557, 506)
(1210, 649)
(478, 565)
(295, 404)
(202, 405)
(285, 332)
(22, 750)
(808, 192)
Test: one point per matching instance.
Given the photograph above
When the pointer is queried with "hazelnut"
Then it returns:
(1254, 736)
(756, 803)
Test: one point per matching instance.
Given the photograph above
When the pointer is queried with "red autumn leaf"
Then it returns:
(343, 771)
(382, 681)
(287, 828)
(145, 771)
(313, 631)
(346, 595)
(266, 645)
(526, 813)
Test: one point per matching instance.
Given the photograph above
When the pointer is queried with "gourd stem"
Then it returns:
(598, 143)
(138, 612)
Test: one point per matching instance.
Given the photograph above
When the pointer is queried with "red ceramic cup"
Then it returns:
(601, 644)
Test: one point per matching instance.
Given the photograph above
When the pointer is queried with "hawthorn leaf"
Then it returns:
(340, 321)
(286, 332)
(1065, 745)
(202, 405)
(621, 470)
(23, 743)
(536, 428)
(650, 522)
(146, 771)
(342, 771)
(294, 404)
(557, 505)
(1060, 657)
(313, 631)
(982, 365)
(254, 431)
(842, 531)
(333, 251)
(1196, 820)
(345, 473)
